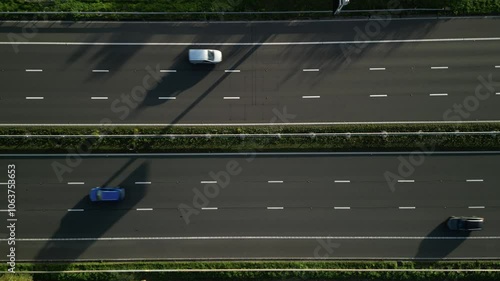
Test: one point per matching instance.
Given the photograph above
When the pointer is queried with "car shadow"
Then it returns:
(435, 247)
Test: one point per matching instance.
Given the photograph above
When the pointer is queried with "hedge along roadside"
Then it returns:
(32, 144)
(242, 275)
(457, 7)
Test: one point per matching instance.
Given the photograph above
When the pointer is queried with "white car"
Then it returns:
(205, 56)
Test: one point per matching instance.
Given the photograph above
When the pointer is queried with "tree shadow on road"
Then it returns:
(96, 219)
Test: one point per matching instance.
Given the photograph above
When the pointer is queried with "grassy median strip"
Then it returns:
(455, 7)
(353, 270)
(209, 142)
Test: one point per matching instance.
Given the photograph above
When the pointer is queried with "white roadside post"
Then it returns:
(342, 3)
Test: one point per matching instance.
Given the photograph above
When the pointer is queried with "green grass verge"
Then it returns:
(355, 276)
(458, 7)
(213, 144)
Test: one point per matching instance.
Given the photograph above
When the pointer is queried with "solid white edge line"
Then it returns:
(406, 181)
(34, 98)
(310, 69)
(142, 182)
(275, 208)
(232, 71)
(76, 182)
(34, 70)
(342, 181)
(209, 208)
(407, 208)
(98, 98)
(168, 70)
(242, 124)
(378, 96)
(100, 70)
(274, 181)
(470, 39)
(262, 238)
(167, 98)
(438, 67)
(474, 180)
(231, 98)
(476, 207)
(203, 182)
(144, 209)
(377, 68)
(75, 210)
(311, 97)
(438, 95)
(341, 208)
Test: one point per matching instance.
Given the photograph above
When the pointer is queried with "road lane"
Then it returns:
(273, 196)
(270, 78)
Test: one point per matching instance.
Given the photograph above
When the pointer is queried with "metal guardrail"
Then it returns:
(266, 270)
(212, 13)
(311, 135)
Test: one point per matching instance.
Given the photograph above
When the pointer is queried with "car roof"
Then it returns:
(110, 193)
(198, 54)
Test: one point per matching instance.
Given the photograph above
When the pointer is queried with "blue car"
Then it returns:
(98, 194)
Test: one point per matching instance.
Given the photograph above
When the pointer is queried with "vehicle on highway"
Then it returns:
(98, 194)
(465, 223)
(197, 56)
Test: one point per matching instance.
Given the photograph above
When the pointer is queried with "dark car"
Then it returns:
(106, 194)
(465, 223)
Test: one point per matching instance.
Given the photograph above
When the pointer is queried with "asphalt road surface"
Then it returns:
(282, 72)
(261, 206)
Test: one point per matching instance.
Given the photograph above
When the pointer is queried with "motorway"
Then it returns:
(306, 206)
(281, 72)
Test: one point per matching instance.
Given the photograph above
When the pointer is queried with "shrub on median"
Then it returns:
(238, 143)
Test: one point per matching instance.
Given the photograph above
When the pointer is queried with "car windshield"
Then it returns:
(210, 55)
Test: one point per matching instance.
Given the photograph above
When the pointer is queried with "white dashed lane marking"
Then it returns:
(342, 181)
(407, 208)
(474, 180)
(76, 182)
(377, 68)
(311, 97)
(476, 207)
(75, 210)
(203, 182)
(209, 208)
(100, 70)
(34, 98)
(142, 182)
(406, 181)
(341, 208)
(378, 96)
(439, 67)
(99, 98)
(167, 98)
(274, 181)
(310, 69)
(438, 95)
(231, 98)
(34, 70)
(168, 70)
(144, 209)
(232, 71)
(275, 208)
